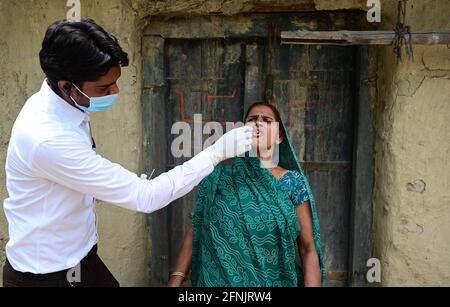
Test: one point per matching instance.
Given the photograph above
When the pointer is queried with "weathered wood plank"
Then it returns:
(185, 92)
(361, 37)
(363, 172)
(155, 151)
(254, 77)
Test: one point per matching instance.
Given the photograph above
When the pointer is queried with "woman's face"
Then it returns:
(267, 130)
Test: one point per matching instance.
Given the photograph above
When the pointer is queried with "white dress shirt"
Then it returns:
(53, 176)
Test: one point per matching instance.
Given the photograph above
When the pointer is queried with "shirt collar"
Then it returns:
(62, 108)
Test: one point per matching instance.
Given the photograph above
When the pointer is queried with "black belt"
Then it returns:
(61, 275)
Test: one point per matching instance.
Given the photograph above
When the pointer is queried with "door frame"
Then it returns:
(154, 97)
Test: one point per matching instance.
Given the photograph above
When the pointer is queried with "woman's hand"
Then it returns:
(183, 263)
(175, 281)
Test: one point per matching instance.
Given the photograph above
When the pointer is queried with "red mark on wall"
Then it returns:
(211, 98)
(184, 117)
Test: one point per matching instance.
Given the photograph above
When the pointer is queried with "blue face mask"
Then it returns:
(97, 104)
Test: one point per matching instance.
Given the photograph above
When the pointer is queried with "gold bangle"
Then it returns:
(181, 274)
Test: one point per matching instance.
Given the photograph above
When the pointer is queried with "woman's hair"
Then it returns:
(274, 110)
(79, 51)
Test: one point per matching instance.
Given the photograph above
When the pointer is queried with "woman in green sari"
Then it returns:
(255, 222)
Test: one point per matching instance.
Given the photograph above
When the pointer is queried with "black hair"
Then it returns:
(79, 51)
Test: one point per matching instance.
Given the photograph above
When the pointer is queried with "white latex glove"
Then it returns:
(232, 144)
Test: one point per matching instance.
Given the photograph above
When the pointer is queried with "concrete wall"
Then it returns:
(412, 184)
(412, 178)
(123, 234)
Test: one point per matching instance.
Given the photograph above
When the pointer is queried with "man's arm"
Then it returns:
(75, 166)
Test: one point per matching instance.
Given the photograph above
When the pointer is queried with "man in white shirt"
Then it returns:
(54, 175)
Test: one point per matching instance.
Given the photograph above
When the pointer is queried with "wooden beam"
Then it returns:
(284, 8)
(360, 37)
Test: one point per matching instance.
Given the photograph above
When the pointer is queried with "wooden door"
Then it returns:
(313, 87)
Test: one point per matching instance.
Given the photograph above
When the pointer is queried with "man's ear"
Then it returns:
(64, 86)
(65, 89)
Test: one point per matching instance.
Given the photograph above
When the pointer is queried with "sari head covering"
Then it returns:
(246, 226)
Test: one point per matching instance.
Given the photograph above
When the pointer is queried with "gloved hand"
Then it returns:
(232, 144)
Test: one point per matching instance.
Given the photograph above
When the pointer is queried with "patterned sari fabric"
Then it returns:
(246, 226)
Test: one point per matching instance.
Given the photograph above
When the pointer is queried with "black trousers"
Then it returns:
(92, 272)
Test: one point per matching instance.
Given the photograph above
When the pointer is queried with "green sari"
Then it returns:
(246, 227)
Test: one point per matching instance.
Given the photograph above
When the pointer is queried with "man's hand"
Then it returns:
(234, 143)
